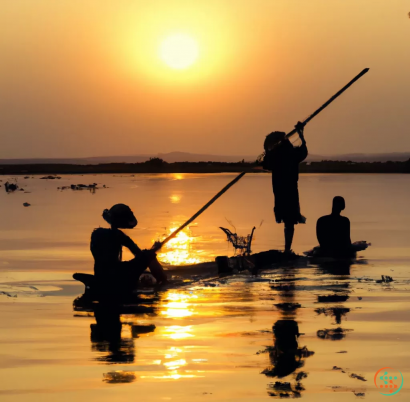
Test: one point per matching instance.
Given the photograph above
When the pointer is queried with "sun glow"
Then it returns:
(179, 51)
(179, 305)
(179, 250)
(178, 332)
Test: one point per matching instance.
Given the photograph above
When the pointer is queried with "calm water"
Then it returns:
(208, 335)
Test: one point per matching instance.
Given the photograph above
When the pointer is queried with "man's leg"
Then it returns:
(136, 267)
(157, 271)
(289, 231)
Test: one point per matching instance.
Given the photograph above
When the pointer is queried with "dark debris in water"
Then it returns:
(385, 279)
(351, 375)
(10, 187)
(119, 377)
(78, 187)
(359, 377)
(359, 394)
(7, 294)
(333, 334)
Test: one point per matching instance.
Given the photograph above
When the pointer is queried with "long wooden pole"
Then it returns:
(208, 204)
(331, 99)
(229, 185)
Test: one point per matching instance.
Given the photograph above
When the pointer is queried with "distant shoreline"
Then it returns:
(159, 166)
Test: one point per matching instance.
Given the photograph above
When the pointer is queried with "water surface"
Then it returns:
(213, 339)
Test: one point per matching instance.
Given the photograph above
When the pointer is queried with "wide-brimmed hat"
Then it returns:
(273, 139)
(120, 216)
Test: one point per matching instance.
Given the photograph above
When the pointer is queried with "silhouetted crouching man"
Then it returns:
(283, 160)
(111, 273)
(333, 232)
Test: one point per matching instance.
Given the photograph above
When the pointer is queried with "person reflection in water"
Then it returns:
(286, 357)
(106, 337)
(333, 231)
(106, 247)
(283, 160)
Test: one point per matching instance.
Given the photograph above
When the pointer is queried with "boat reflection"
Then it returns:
(340, 272)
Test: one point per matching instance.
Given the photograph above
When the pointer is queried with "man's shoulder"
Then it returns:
(101, 230)
(339, 218)
(324, 218)
(101, 233)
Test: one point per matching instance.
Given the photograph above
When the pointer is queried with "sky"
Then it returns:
(89, 78)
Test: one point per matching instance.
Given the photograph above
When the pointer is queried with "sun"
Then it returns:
(179, 51)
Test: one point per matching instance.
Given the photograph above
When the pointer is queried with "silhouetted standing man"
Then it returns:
(333, 231)
(283, 160)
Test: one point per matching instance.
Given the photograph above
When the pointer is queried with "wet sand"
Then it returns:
(213, 339)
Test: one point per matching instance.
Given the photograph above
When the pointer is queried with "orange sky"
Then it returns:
(84, 78)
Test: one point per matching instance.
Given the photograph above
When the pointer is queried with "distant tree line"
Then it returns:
(356, 167)
(158, 165)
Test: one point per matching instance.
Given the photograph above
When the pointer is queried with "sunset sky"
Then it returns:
(92, 77)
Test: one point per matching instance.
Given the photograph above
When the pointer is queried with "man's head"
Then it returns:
(338, 204)
(120, 216)
(273, 139)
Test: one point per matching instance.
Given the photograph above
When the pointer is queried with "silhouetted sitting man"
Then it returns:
(333, 232)
(111, 273)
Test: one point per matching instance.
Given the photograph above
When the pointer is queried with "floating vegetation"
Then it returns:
(119, 377)
(359, 377)
(385, 279)
(241, 244)
(333, 334)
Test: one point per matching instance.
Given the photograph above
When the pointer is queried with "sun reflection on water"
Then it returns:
(175, 198)
(175, 365)
(178, 176)
(178, 332)
(178, 305)
(179, 250)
